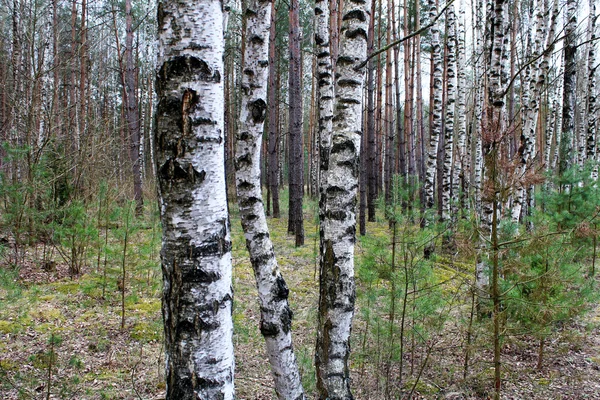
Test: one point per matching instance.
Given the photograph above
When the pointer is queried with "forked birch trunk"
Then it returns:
(337, 287)
(276, 316)
(196, 244)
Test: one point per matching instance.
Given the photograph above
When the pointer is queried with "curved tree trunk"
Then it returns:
(276, 316)
(337, 287)
(196, 247)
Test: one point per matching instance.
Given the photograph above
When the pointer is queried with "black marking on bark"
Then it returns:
(352, 34)
(323, 54)
(245, 159)
(210, 139)
(349, 100)
(169, 106)
(263, 63)
(258, 110)
(280, 290)
(355, 14)
(345, 60)
(202, 121)
(261, 259)
(344, 145)
(286, 319)
(318, 39)
(250, 201)
(257, 39)
(318, 11)
(349, 82)
(250, 13)
(214, 246)
(186, 68)
(268, 329)
(249, 72)
(338, 215)
(197, 46)
(245, 185)
(196, 274)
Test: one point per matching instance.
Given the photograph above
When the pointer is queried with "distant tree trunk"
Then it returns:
(459, 185)
(196, 250)
(450, 104)
(369, 152)
(133, 122)
(436, 113)
(296, 157)
(401, 169)
(591, 89)
(273, 117)
(337, 287)
(389, 118)
(569, 87)
(276, 316)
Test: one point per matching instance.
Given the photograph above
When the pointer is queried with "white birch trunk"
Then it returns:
(436, 128)
(458, 175)
(450, 105)
(276, 316)
(325, 97)
(591, 89)
(196, 247)
(337, 287)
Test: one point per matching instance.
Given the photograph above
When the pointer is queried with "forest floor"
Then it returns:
(61, 338)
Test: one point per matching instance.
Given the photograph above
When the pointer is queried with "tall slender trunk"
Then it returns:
(133, 121)
(436, 110)
(337, 287)
(276, 316)
(273, 111)
(196, 246)
(449, 123)
(401, 161)
(296, 157)
(389, 122)
(458, 173)
(591, 89)
(325, 96)
(369, 152)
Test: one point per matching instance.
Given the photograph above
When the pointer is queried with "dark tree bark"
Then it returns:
(273, 125)
(296, 157)
(133, 122)
(369, 152)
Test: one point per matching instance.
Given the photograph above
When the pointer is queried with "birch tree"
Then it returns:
(569, 87)
(337, 287)
(436, 109)
(450, 104)
(196, 244)
(324, 96)
(276, 316)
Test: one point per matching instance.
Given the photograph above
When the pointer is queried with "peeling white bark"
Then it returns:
(450, 105)
(196, 248)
